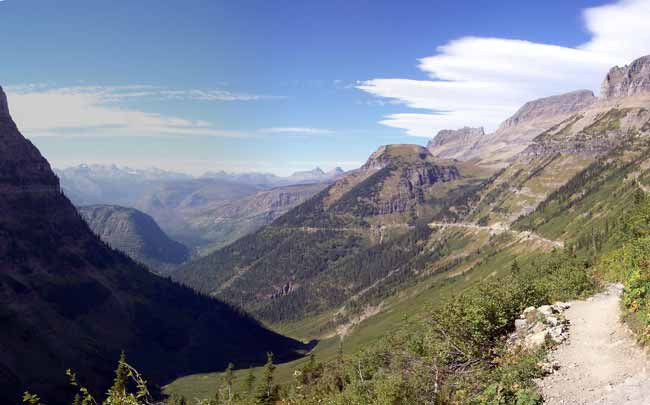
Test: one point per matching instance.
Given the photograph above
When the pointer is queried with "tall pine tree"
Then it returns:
(267, 391)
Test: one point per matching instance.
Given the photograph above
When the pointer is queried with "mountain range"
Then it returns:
(68, 300)
(325, 259)
(412, 213)
(316, 175)
(204, 213)
(350, 231)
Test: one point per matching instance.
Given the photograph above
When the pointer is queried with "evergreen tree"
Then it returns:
(228, 379)
(249, 381)
(121, 377)
(515, 269)
(266, 390)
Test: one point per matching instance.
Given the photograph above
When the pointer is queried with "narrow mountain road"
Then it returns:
(600, 363)
(497, 229)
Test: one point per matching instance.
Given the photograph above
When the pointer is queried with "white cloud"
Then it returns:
(481, 81)
(40, 110)
(295, 131)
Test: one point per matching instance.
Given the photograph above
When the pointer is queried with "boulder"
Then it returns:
(536, 339)
(546, 310)
(520, 324)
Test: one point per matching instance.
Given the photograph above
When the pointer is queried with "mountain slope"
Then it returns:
(69, 301)
(136, 234)
(341, 243)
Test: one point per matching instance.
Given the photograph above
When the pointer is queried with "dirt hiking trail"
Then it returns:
(600, 363)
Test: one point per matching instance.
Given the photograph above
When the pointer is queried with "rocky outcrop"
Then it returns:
(413, 170)
(536, 326)
(630, 80)
(412, 186)
(378, 160)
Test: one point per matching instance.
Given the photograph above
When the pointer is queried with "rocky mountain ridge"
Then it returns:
(496, 150)
(629, 80)
(448, 135)
(577, 122)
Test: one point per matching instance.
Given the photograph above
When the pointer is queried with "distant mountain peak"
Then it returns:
(465, 134)
(390, 154)
(628, 80)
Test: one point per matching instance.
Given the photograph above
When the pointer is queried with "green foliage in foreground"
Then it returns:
(457, 354)
(630, 265)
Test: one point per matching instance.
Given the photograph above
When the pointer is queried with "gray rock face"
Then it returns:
(412, 185)
(464, 135)
(549, 107)
(628, 80)
(537, 325)
(499, 148)
(414, 169)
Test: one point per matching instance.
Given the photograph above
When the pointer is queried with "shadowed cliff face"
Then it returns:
(67, 300)
(136, 234)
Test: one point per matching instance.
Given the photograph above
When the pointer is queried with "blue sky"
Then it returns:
(280, 85)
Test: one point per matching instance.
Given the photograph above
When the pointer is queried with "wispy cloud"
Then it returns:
(43, 110)
(481, 81)
(295, 131)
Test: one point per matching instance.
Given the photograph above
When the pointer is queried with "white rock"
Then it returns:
(536, 339)
(537, 327)
(551, 320)
(546, 310)
(560, 306)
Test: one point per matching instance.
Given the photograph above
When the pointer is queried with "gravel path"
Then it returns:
(600, 363)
